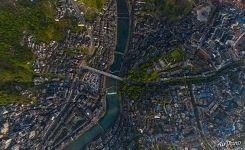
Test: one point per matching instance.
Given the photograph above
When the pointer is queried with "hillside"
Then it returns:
(36, 18)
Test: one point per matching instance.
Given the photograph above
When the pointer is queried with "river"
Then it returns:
(113, 100)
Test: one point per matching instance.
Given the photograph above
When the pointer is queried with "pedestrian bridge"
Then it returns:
(102, 72)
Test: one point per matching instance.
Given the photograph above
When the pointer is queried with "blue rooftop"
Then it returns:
(241, 21)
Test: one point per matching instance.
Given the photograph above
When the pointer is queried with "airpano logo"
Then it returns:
(230, 143)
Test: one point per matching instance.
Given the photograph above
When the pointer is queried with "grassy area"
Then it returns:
(96, 4)
(10, 94)
(17, 17)
(74, 52)
(143, 76)
(84, 50)
(167, 147)
(175, 11)
(6, 98)
(133, 92)
(90, 15)
(93, 7)
(140, 75)
(174, 56)
(172, 10)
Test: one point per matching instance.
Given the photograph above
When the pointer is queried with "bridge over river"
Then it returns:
(113, 99)
(103, 73)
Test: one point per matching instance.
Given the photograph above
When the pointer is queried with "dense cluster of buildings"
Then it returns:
(203, 53)
(221, 105)
(70, 100)
(208, 108)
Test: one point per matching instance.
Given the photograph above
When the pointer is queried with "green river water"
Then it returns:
(113, 100)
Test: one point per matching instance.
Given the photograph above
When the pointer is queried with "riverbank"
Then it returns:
(112, 98)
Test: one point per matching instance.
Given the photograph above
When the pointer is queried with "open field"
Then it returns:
(96, 4)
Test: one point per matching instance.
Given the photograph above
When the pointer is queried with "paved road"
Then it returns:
(238, 39)
(199, 125)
